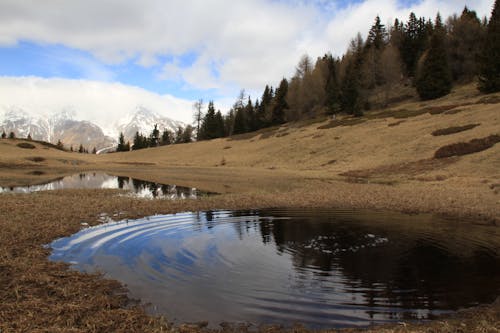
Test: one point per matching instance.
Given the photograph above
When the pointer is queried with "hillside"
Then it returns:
(384, 159)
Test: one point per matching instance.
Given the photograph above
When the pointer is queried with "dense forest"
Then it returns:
(428, 56)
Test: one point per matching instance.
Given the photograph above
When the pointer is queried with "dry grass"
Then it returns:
(264, 169)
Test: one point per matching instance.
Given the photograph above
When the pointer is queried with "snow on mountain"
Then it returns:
(143, 120)
(63, 125)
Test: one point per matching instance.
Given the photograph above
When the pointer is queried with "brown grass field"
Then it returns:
(384, 160)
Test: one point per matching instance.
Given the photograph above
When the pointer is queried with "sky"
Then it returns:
(104, 58)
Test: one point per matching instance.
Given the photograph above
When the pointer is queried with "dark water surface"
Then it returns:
(323, 268)
(99, 180)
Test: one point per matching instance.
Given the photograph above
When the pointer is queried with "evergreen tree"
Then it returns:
(464, 45)
(178, 135)
(71, 148)
(377, 36)
(219, 121)
(434, 78)
(4, 135)
(29, 137)
(239, 122)
(121, 143)
(81, 150)
(280, 104)
(140, 141)
(332, 89)
(94, 151)
(12, 135)
(154, 138)
(489, 72)
(251, 116)
(208, 128)
(351, 99)
(187, 134)
(262, 118)
(166, 137)
(414, 42)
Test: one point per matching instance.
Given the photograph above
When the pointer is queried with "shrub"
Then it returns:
(26, 145)
(464, 148)
(454, 129)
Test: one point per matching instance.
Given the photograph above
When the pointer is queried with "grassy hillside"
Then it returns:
(384, 160)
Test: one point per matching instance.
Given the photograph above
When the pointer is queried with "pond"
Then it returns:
(99, 180)
(322, 268)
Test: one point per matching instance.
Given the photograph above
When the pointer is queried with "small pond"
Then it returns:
(323, 268)
(99, 180)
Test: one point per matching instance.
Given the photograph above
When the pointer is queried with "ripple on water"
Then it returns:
(322, 268)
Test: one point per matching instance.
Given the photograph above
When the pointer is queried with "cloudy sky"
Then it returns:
(108, 56)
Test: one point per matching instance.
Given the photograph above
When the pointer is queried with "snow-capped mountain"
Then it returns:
(143, 120)
(64, 126)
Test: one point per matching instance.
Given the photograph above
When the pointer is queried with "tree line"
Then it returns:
(154, 139)
(427, 55)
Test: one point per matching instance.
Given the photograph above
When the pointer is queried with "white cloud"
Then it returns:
(100, 102)
(239, 44)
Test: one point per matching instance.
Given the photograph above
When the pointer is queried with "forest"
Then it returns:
(419, 56)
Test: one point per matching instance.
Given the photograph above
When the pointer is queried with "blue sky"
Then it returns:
(187, 49)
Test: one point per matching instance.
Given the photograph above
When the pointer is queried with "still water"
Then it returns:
(99, 180)
(327, 268)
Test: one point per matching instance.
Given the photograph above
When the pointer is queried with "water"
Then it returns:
(99, 180)
(328, 268)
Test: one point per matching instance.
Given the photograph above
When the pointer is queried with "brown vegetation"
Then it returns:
(262, 169)
(464, 148)
(26, 145)
(454, 129)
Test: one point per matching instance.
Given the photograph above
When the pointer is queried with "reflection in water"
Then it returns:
(322, 268)
(96, 180)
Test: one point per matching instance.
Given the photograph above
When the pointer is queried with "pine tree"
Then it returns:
(81, 150)
(332, 89)
(219, 120)
(12, 135)
(414, 42)
(154, 138)
(29, 137)
(166, 137)
(140, 141)
(239, 122)
(280, 104)
(489, 73)
(4, 135)
(187, 134)
(94, 151)
(434, 77)
(121, 143)
(60, 145)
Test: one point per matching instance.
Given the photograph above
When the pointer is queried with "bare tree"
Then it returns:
(198, 115)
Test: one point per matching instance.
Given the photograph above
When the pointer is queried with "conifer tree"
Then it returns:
(219, 121)
(4, 135)
(121, 143)
(166, 137)
(434, 77)
(280, 104)
(81, 150)
(332, 89)
(29, 137)
(12, 135)
(94, 151)
(154, 138)
(489, 73)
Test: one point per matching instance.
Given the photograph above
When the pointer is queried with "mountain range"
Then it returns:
(63, 125)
